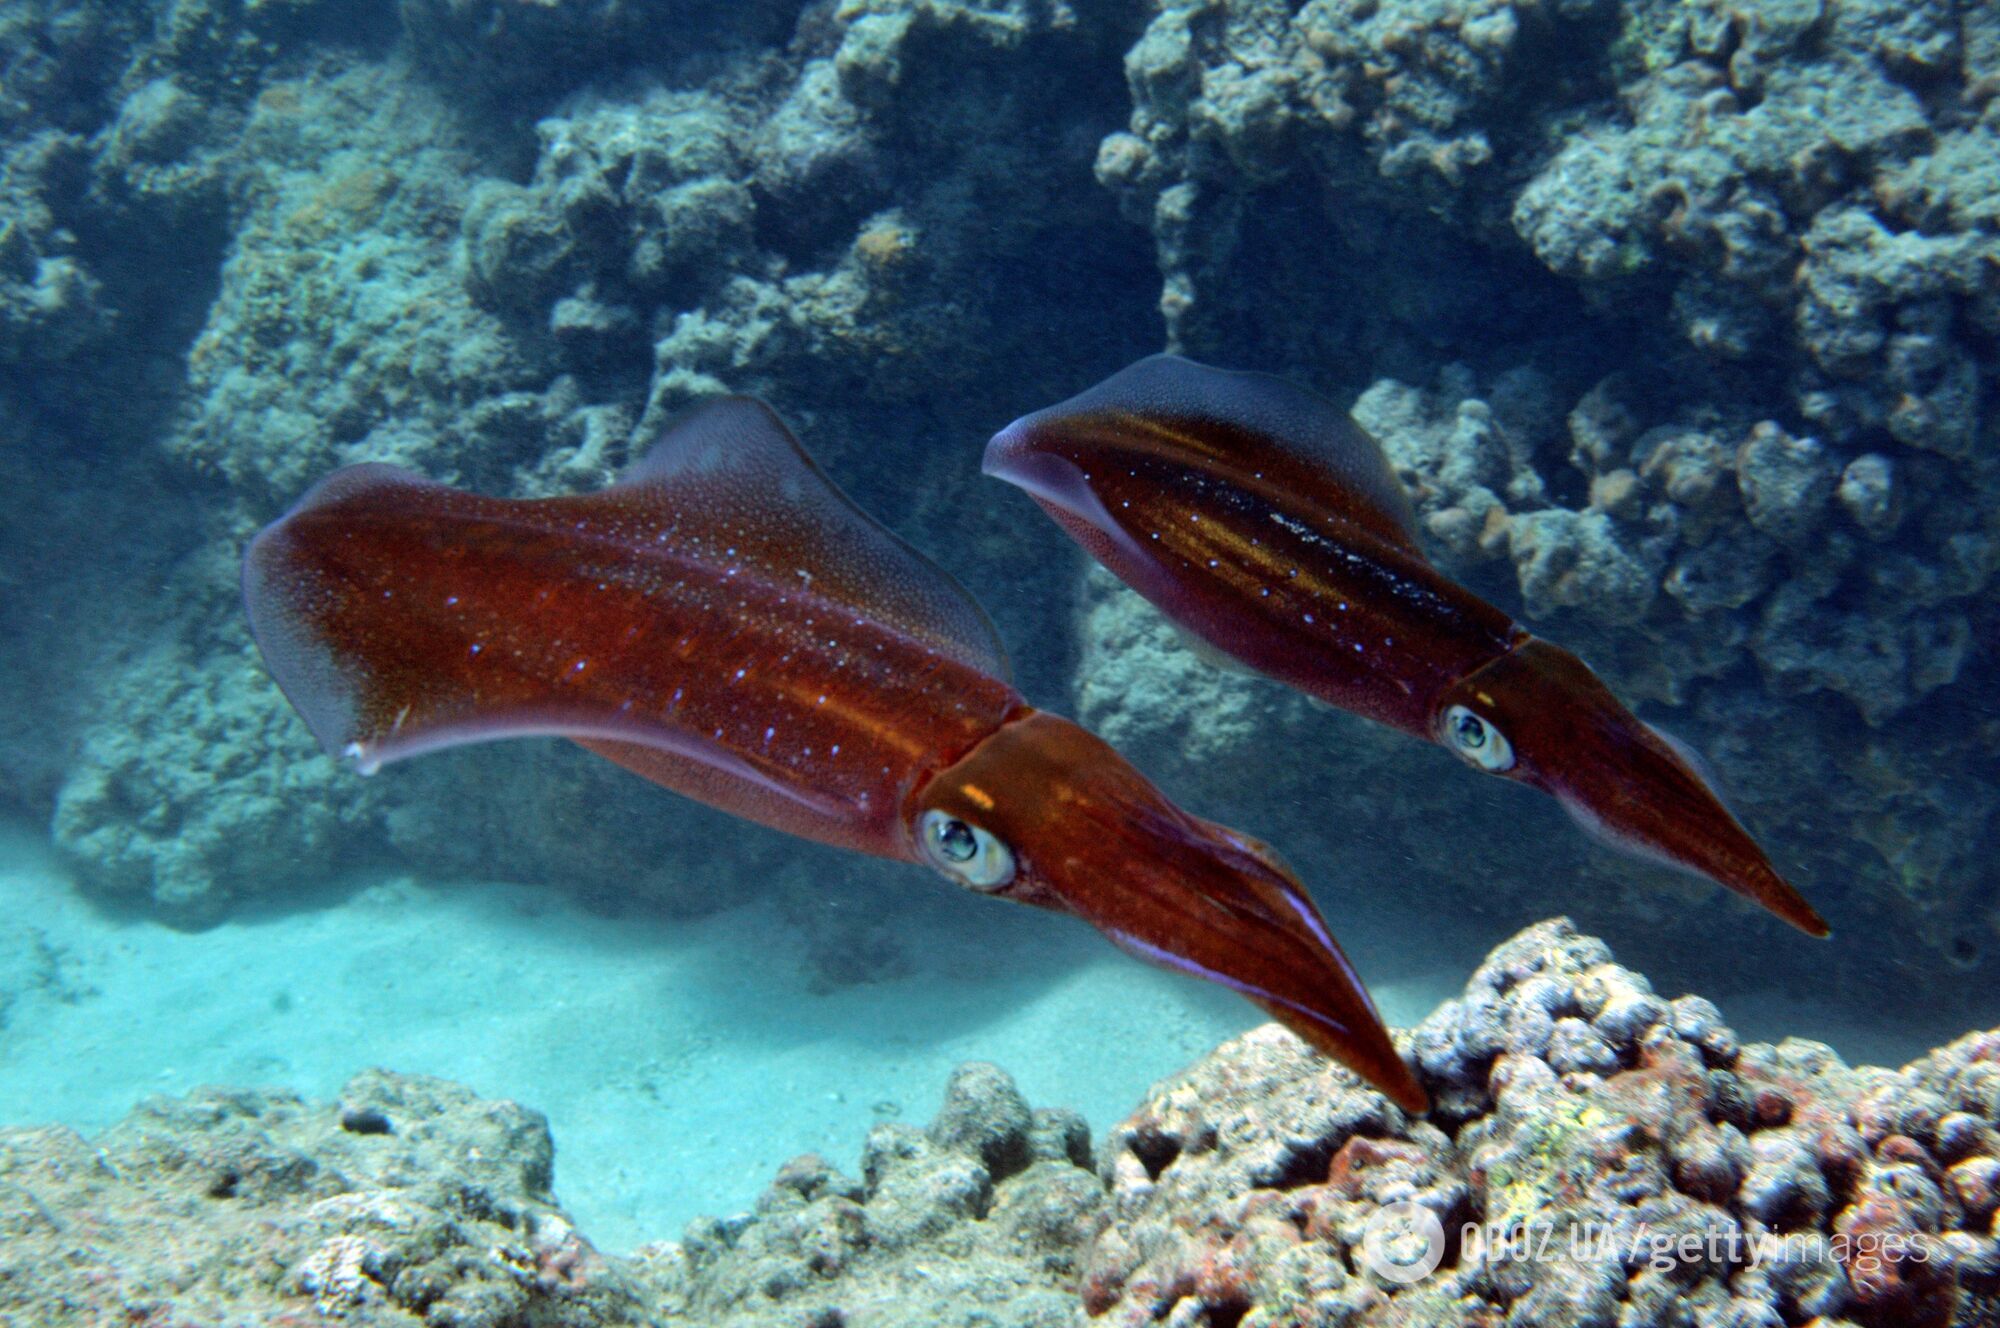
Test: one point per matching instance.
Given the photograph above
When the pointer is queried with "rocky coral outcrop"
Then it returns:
(1140, 685)
(857, 218)
(340, 327)
(981, 1219)
(1597, 1155)
(121, 132)
(409, 1201)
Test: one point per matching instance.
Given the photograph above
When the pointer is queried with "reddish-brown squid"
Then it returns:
(723, 621)
(1260, 519)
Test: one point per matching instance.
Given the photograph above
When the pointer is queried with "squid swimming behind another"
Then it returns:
(724, 622)
(1265, 523)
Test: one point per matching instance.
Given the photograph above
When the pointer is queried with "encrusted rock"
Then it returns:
(237, 1206)
(930, 1235)
(1664, 1173)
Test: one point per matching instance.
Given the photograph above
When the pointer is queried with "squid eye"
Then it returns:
(964, 852)
(1476, 739)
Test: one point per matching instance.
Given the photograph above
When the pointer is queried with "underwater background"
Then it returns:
(1680, 319)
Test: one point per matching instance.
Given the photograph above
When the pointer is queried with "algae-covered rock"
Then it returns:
(409, 1201)
(1140, 684)
(981, 1219)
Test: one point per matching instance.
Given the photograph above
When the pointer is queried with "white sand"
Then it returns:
(679, 1063)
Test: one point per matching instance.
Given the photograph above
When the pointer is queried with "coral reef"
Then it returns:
(849, 234)
(339, 325)
(1597, 1155)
